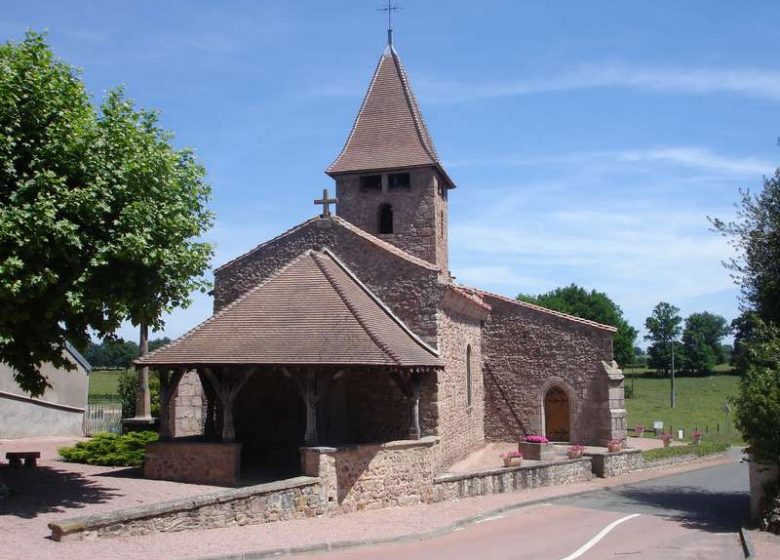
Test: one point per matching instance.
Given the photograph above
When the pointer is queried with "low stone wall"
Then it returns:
(294, 498)
(606, 465)
(511, 479)
(360, 477)
(193, 461)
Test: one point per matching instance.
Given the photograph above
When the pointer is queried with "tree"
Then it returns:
(746, 330)
(757, 406)
(594, 306)
(117, 353)
(701, 341)
(755, 234)
(100, 216)
(663, 327)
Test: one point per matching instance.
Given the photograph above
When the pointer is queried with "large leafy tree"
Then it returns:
(594, 306)
(100, 216)
(663, 327)
(756, 236)
(702, 341)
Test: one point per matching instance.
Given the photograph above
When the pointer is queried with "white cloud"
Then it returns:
(759, 83)
(684, 156)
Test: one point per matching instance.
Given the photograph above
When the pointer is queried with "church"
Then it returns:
(347, 339)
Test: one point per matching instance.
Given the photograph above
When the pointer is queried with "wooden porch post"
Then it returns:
(168, 384)
(310, 400)
(414, 430)
(227, 390)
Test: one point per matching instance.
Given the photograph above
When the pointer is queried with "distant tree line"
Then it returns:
(117, 353)
(699, 349)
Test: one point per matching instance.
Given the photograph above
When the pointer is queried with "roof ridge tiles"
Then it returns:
(541, 309)
(356, 312)
(380, 303)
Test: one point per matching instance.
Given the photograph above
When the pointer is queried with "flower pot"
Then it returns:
(537, 451)
(512, 461)
(667, 442)
(574, 455)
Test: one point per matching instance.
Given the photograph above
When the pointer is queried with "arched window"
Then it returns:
(385, 219)
(468, 375)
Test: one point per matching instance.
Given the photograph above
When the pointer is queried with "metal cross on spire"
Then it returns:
(390, 8)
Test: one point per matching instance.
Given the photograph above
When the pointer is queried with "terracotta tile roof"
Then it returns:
(313, 311)
(389, 247)
(389, 131)
(483, 293)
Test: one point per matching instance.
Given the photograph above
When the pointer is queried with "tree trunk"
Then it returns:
(143, 403)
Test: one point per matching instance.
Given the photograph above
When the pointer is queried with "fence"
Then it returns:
(103, 417)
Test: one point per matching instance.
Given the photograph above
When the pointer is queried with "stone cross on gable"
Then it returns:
(326, 202)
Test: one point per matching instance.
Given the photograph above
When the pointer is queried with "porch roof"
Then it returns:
(314, 311)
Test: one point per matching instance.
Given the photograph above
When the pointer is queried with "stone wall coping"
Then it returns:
(94, 521)
(428, 441)
(613, 453)
(454, 477)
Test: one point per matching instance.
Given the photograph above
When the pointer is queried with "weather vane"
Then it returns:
(390, 8)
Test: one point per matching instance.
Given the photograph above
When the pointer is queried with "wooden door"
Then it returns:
(556, 414)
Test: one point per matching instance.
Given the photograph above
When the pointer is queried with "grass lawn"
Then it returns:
(699, 405)
(103, 383)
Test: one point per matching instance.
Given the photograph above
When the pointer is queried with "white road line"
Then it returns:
(601, 534)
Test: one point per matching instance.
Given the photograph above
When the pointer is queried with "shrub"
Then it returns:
(757, 407)
(110, 449)
(701, 450)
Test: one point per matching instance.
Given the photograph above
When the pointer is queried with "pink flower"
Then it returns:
(536, 439)
(511, 455)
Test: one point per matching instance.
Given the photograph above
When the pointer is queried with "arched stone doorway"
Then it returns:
(557, 414)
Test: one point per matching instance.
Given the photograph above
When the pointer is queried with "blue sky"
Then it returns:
(589, 140)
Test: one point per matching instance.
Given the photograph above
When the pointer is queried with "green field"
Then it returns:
(699, 405)
(103, 382)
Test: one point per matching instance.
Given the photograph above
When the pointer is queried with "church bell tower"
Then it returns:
(389, 180)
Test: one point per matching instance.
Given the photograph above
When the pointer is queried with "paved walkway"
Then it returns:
(23, 519)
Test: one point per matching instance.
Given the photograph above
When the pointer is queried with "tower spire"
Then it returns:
(390, 8)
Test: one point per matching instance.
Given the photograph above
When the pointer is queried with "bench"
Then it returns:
(15, 458)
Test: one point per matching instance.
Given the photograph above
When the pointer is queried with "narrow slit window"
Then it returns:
(468, 375)
(385, 219)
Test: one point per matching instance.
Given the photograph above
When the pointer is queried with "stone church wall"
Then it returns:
(416, 212)
(461, 426)
(410, 290)
(526, 352)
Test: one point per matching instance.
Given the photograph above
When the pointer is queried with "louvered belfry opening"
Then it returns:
(308, 357)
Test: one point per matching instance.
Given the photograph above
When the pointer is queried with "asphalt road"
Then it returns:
(691, 516)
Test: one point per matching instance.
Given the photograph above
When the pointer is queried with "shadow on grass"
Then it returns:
(693, 507)
(49, 490)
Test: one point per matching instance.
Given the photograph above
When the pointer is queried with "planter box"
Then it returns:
(513, 462)
(536, 451)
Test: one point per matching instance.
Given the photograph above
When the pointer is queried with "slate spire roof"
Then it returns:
(389, 131)
(314, 311)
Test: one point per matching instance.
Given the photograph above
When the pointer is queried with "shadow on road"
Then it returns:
(45, 489)
(696, 508)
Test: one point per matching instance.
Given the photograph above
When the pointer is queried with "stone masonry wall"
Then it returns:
(510, 479)
(295, 498)
(366, 477)
(193, 461)
(408, 289)
(461, 426)
(417, 212)
(525, 352)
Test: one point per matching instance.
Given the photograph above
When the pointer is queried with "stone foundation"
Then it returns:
(361, 477)
(510, 479)
(295, 498)
(606, 465)
(193, 461)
